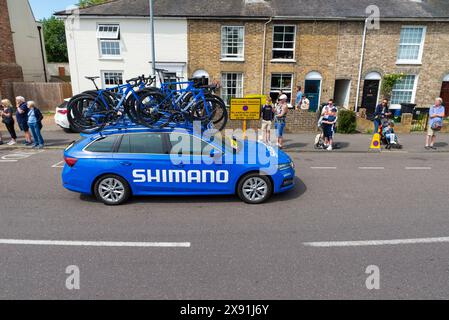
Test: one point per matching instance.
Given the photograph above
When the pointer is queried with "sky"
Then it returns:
(45, 8)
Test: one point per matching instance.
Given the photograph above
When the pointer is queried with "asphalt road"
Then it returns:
(236, 251)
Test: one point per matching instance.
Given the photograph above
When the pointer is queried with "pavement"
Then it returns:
(315, 242)
(56, 138)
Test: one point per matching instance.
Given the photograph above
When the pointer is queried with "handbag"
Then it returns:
(437, 125)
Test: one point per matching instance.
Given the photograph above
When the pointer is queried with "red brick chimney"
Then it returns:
(10, 71)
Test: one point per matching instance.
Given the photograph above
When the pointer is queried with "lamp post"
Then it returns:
(153, 48)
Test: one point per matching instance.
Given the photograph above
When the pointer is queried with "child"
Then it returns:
(329, 121)
(267, 120)
(389, 134)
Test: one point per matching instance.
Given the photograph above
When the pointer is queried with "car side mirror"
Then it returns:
(215, 153)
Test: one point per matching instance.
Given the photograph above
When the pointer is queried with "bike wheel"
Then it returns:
(211, 112)
(87, 114)
(148, 109)
(131, 103)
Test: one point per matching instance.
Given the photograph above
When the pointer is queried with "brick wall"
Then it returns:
(9, 70)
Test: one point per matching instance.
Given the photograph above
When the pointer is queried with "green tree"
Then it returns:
(88, 3)
(55, 40)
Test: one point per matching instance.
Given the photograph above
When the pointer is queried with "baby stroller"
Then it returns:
(388, 137)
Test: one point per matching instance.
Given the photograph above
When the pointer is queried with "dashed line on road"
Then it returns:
(323, 168)
(331, 244)
(418, 168)
(371, 168)
(95, 243)
(60, 164)
(7, 161)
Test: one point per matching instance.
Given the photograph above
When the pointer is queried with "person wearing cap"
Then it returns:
(281, 117)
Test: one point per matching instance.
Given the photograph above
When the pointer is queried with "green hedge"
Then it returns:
(347, 121)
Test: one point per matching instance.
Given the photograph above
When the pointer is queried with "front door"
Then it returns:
(370, 96)
(445, 96)
(312, 91)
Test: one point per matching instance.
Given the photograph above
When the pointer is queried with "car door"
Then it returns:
(194, 168)
(143, 158)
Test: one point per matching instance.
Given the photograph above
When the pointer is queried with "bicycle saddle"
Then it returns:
(92, 78)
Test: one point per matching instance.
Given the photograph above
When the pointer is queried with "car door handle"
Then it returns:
(126, 164)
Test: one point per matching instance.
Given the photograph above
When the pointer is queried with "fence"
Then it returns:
(46, 95)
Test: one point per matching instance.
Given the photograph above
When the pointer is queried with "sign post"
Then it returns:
(245, 109)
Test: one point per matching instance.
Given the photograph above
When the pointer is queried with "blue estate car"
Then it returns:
(117, 164)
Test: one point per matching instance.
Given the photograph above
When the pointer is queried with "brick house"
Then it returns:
(10, 71)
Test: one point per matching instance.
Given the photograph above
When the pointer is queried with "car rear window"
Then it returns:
(103, 145)
(147, 143)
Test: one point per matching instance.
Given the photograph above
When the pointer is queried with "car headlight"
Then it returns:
(286, 166)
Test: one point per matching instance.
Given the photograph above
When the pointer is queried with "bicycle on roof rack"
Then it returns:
(182, 103)
(139, 102)
(91, 111)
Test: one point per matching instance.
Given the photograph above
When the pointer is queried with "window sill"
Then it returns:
(232, 60)
(110, 58)
(409, 62)
(283, 61)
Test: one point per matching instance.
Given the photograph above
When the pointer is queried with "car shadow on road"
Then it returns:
(298, 191)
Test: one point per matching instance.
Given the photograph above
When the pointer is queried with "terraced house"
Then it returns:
(330, 48)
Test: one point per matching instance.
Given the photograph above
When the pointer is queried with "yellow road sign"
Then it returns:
(245, 109)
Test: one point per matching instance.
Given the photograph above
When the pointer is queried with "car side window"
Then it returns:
(143, 143)
(183, 144)
(103, 145)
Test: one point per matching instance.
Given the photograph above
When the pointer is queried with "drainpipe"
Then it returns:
(39, 30)
(362, 57)
(262, 87)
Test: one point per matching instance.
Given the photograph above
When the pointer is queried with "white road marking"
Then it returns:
(375, 242)
(95, 243)
(8, 161)
(60, 164)
(323, 168)
(371, 168)
(418, 168)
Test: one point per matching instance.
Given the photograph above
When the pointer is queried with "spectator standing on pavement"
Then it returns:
(382, 112)
(436, 115)
(299, 97)
(267, 120)
(22, 119)
(35, 118)
(8, 120)
(281, 117)
(329, 122)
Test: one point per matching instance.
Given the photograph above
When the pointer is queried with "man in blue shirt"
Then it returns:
(436, 115)
(22, 119)
(299, 96)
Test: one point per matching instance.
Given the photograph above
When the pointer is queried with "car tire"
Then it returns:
(255, 188)
(112, 190)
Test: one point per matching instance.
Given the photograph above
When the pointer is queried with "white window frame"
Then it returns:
(421, 47)
(224, 55)
(224, 86)
(415, 88)
(277, 49)
(103, 77)
(282, 74)
(103, 55)
(108, 35)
